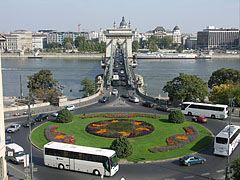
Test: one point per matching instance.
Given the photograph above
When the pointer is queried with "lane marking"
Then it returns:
(16, 169)
(220, 171)
(188, 177)
(170, 179)
(205, 174)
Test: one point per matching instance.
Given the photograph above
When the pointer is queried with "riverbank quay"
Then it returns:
(88, 56)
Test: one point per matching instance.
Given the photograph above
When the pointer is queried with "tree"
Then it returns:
(64, 116)
(68, 43)
(221, 94)
(186, 88)
(135, 46)
(122, 147)
(89, 87)
(165, 42)
(235, 169)
(176, 116)
(153, 46)
(224, 76)
(44, 86)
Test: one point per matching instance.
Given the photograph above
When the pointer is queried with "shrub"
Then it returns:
(176, 116)
(64, 116)
(122, 147)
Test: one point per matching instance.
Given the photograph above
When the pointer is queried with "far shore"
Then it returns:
(90, 56)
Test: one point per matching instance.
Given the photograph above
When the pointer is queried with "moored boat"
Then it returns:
(165, 56)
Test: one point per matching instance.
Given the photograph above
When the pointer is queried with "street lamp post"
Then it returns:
(227, 176)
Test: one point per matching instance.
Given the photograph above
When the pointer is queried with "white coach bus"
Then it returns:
(225, 142)
(202, 109)
(80, 158)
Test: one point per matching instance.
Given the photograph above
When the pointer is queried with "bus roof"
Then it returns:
(224, 133)
(215, 105)
(80, 149)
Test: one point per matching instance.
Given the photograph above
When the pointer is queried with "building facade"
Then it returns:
(212, 37)
(24, 40)
(39, 41)
(3, 163)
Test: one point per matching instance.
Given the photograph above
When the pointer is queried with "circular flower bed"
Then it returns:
(120, 127)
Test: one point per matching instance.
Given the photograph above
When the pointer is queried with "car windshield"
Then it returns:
(13, 126)
(18, 154)
(185, 157)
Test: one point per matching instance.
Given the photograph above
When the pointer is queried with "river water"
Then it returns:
(70, 72)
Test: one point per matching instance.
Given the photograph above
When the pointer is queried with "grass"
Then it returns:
(163, 129)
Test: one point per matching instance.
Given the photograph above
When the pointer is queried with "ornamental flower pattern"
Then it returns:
(178, 140)
(105, 129)
(120, 115)
(52, 135)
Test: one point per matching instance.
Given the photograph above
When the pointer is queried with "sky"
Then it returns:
(64, 15)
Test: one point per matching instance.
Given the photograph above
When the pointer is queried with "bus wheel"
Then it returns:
(189, 113)
(213, 116)
(61, 166)
(96, 172)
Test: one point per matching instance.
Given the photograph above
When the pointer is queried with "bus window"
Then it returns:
(221, 140)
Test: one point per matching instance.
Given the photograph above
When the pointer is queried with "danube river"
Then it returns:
(70, 72)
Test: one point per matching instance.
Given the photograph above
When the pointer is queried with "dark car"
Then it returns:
(201, 119)
(148, 104)
(125, 96)
(163, 108)
(26, 123)
(104, 99)
(41, 117)
(9, 140)
(190, 159)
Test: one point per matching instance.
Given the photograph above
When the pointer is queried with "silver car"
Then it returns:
(13, 128)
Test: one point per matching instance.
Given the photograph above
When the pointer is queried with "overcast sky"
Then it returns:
(64, 15)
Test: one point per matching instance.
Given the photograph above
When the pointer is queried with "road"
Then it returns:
(164, 170)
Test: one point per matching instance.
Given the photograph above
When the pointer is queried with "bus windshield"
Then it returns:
(221, 140)
(113, 161)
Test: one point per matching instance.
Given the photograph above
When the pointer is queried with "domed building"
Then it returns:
(177, 35)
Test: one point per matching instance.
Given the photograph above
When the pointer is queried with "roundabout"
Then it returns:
(147, 133)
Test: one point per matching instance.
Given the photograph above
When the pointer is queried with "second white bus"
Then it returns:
(203, 109)
(80, 158)
(227, 140)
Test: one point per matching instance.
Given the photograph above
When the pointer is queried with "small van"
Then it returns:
(18, 153)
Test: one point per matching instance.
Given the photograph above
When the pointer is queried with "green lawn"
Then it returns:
(163, 129)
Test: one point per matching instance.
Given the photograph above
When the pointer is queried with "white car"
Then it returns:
(13, 128)
(134, 99)
(70, 107)
(55, 114)
(115, 92)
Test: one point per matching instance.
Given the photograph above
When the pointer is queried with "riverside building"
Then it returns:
(213, 37)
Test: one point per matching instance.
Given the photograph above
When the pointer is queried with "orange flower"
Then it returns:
(101, 131)
(182, 137)
(124, 133)
(115, 120)
(98, 125)
(59, 137)
(142, 129)
(137, 123)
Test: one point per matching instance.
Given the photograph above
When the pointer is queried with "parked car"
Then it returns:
(191, 159)
(55, 114)
(134, 99)
(70, 107)
(163, 107)
(115, 92)
(104, 99)
(41, 117)
(13, 128)
(8, 140)
(201, 119)
(125, 95)
(27, 123)
(17, 153)
(148, 104)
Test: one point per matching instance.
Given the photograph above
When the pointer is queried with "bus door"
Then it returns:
(71, 164)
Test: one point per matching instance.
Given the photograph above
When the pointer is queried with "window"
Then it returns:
(234, 136)
(221, 140)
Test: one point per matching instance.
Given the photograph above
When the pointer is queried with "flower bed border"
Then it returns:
(121, 115)
(175, 142)
(51, 134)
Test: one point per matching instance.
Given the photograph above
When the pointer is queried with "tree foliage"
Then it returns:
(224, 76)
(122, 147)
(64, 116)
(186, 88)
(221, 94)
(43, 86)
(235, 169)
(135, 46)
(176, 116)
(89, 87)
